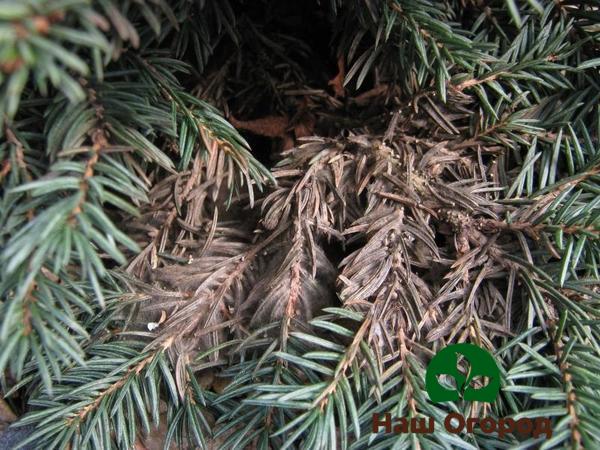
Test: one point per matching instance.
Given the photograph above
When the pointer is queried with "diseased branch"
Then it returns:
(495, 226)
(295, 281)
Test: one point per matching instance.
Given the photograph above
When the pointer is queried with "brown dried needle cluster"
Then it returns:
(405, 227)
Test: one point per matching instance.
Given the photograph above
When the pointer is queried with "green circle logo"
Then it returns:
(478, 362)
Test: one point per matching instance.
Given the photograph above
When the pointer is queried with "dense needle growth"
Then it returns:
(239, 224)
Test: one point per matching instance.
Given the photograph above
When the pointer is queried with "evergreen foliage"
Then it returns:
(421, 173)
